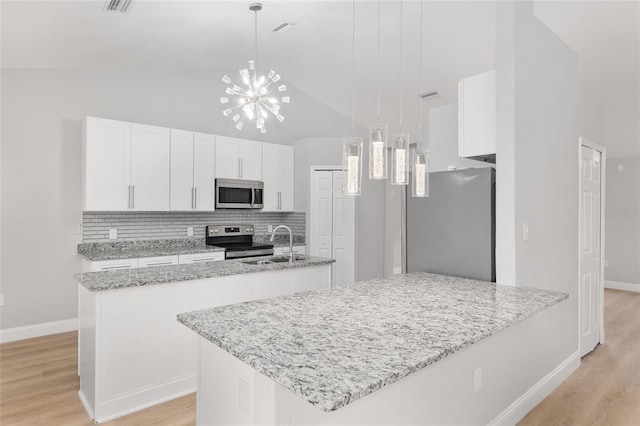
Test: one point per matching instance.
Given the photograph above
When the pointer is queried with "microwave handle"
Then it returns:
(253, 196)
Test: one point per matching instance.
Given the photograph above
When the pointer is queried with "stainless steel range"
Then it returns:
(237, 240)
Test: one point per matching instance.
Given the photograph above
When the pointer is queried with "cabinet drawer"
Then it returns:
(201, 257)
(111, 265)
(157, 261)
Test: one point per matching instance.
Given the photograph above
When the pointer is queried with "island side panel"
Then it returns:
(442, 393)
(141, 356)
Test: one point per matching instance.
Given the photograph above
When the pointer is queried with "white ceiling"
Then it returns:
(316, 55)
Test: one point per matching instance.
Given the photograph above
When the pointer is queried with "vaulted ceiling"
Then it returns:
(316, 54)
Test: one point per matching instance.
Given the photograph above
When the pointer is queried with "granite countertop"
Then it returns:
(136, 277)
(334, 346)
(144, 248)
(168, 247)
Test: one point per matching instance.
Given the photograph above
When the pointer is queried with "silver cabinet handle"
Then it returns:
(112, 267)
(206, 259)
(129, 198)
(195, 198)
(239, 168)
(159, 263)
(133, 196)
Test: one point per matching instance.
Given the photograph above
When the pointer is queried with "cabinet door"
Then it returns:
(477, 115)
(150, 167)
(201, 257)
(110, 265)
(182, 173)
(286, 178)
(204, 148)
(251, 160)
(271, 177)
(107, 164)
(227, 158)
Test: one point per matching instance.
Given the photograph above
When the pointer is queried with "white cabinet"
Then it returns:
(278, 176)
(126, 166)
(192, 171)
(201, 257)
(106, 164)
(477, 117)
(150, 167)
(238, 159)
(108, 265)
(145, 262)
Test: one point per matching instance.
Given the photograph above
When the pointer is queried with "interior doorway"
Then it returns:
(591, 246)
(332, 222)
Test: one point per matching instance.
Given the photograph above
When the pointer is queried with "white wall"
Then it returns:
(42, 113)
(622, 220)
(537, 160)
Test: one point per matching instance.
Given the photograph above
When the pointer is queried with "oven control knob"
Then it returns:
(249, 229)
(215, 230)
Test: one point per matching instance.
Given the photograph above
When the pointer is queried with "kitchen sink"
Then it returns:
(257, 262)
(282, 259)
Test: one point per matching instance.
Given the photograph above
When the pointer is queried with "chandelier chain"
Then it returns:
(378, 70)
(401, 68)
(353, 69)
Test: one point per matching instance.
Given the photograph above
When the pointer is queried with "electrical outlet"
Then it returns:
(243, 396)
(525, 232)
(1, 299)
(269, 228)
(189, 231)
(113, 233)
(477, 379)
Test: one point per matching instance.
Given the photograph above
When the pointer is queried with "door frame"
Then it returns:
(603, 157)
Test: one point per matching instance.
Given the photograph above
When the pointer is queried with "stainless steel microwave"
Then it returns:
(239, 194)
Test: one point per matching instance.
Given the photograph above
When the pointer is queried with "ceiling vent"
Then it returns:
(118, 6)
(285, 26)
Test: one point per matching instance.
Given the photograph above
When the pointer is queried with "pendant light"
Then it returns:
(259, 96)
(400, 141)
(352, 153)
(420, 158)
(378, 133)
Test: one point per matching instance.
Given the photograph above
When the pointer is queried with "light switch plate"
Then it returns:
(1, 299)
(477, 379)
(525, 232)
(189, 231)
(269, 228)
(113, 233)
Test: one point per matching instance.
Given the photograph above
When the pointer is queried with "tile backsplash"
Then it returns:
(162, 225)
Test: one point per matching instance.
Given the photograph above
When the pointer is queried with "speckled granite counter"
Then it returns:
(144, 248)
(136, 277)
(332, 347)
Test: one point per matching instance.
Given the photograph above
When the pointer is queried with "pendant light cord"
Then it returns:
(420, 97)
(401, 99)
(378, 70)
(255, 32)
(353, 70)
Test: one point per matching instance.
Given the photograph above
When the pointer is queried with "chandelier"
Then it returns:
(257, 96)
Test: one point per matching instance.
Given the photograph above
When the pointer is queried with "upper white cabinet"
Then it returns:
(107, 164)
(238, 159)
(278, 177)
(477, 117)
(192, 171)
(150, 167)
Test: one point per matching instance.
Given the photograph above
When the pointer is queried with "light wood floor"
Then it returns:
(39, 382)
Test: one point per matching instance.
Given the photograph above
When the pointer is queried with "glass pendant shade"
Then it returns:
(352, 160)
(378, 151)
(400, 159)
(420, 178)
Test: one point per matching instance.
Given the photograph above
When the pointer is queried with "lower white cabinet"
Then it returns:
(201, 257)
(135, 354)
(145, 262)
(108, 265)
(281, 251)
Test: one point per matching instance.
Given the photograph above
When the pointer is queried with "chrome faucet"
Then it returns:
(273, 234)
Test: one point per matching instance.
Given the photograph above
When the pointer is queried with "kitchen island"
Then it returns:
(132, 353)
(337, 356)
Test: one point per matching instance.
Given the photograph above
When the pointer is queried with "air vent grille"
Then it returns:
(118, 6)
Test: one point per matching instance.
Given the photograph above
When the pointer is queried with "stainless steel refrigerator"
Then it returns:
(452, 232)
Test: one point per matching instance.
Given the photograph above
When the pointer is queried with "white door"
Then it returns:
(204, 149)
(181, 170)
(107, 164)
(271, 177)
(590, 248)
(332, 224)
(250, 160)
(227, 158)
(150, 167)
(287, 177)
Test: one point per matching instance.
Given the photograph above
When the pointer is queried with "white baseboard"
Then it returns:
(619, 285)
(516, 411)
(37, 330)
(397, 270)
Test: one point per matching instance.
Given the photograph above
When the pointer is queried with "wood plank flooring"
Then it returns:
(39, 382)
